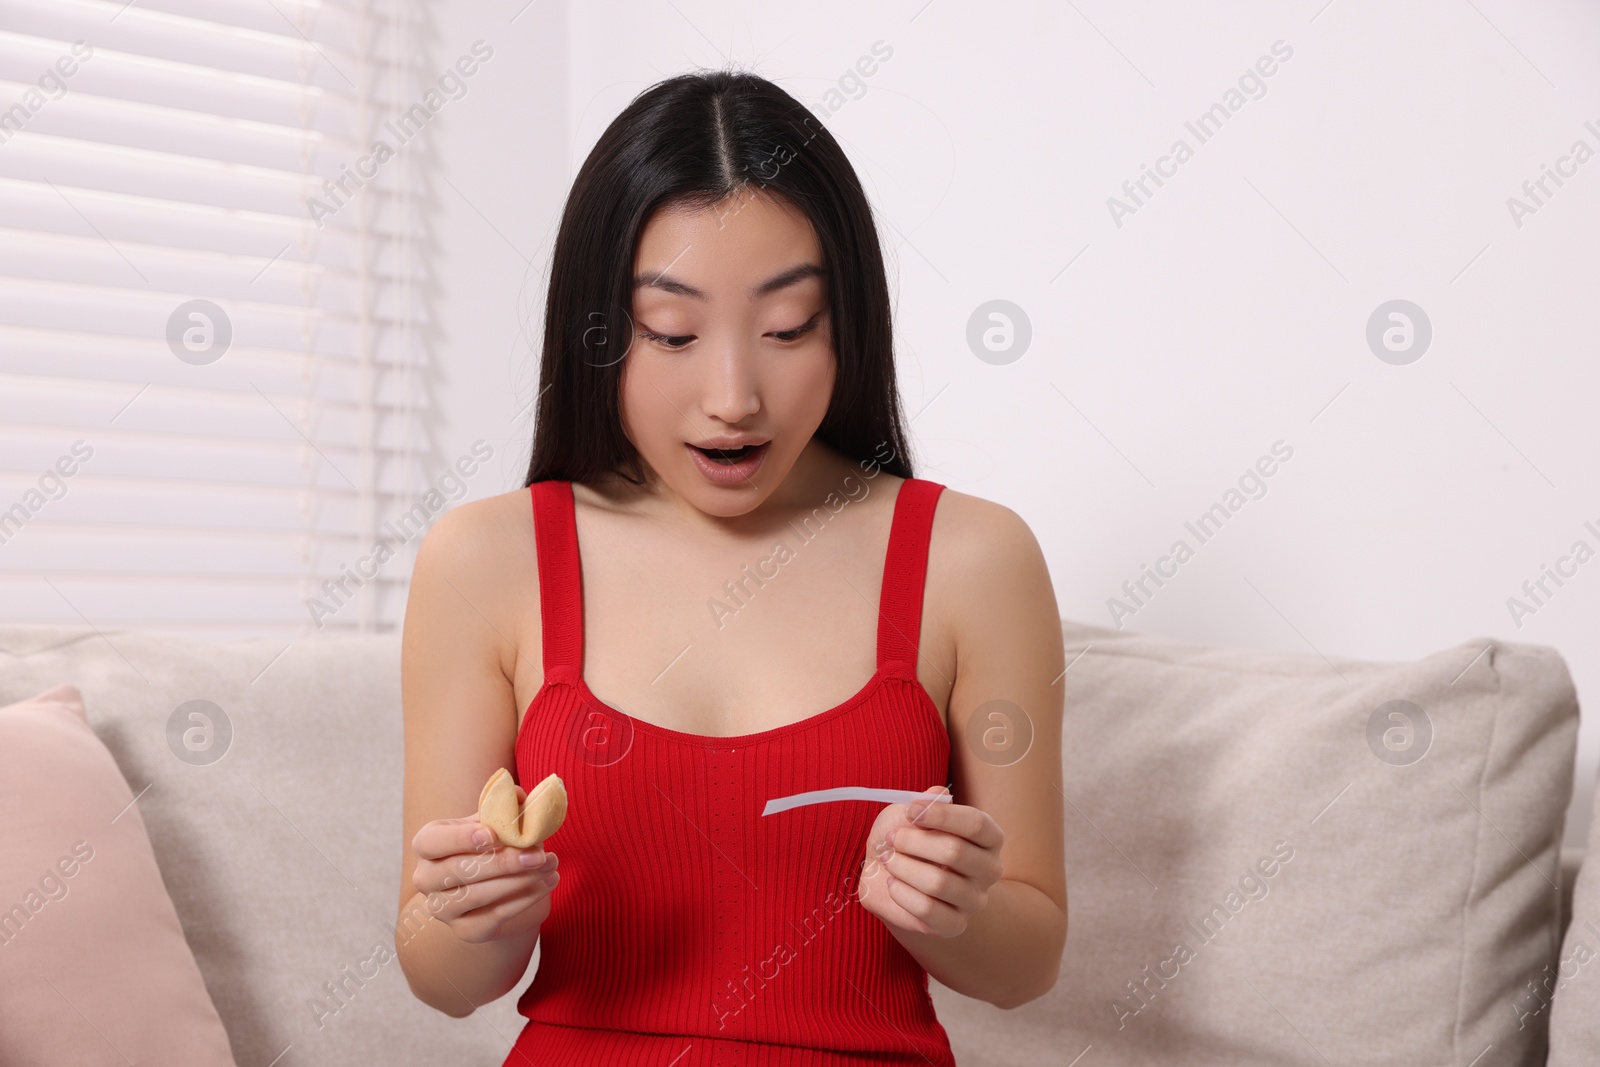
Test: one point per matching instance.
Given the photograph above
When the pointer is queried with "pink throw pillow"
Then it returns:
(94, 967)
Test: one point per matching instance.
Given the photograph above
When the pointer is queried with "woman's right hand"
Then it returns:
(484, 891)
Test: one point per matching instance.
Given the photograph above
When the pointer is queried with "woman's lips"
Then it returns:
(729, 474)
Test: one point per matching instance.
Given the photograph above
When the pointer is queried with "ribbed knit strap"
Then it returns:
(905, 572)
(555, 533)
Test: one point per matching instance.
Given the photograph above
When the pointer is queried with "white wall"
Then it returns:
(1227, 313)
(501, 163)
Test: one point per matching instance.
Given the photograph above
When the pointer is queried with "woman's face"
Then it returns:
(731, 347)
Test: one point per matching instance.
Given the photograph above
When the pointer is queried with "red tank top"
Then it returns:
(689, 929)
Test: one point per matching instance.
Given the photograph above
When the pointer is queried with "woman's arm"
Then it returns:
(457, 664)
(1007, 636)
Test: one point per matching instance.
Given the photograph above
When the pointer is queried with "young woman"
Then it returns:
(720, 536)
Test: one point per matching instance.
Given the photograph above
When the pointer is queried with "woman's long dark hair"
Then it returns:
(696, 140)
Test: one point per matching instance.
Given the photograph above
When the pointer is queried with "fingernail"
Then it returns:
(889, 839)
(480, 837)
(531, 859)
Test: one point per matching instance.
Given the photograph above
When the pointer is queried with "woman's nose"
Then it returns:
(731, 390)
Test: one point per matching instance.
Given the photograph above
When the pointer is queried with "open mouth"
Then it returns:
(728, 456)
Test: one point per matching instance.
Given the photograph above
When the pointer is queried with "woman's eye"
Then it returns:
(676, 341)
(796, 333)
(667, 341)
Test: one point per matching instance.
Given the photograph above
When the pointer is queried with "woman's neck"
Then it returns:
(819, 471)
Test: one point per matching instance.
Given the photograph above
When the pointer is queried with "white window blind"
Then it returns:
(206, 473)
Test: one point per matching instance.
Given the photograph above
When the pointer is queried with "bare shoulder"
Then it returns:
(481, 525)
(978, 541)
(482, 546)
(987, 574)
(478, 559)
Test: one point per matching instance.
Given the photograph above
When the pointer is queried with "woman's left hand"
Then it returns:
(929, 865)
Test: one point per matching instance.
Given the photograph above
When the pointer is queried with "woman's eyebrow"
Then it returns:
(792, 276)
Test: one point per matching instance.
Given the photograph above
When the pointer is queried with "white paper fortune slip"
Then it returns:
(851, 792)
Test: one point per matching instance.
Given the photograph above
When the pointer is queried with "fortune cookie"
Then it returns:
(520, 819)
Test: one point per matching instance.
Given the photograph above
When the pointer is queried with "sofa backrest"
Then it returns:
(1281, 858)
(1358, 860)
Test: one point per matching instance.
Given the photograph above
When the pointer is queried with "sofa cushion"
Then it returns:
(275, 775)
(94, 968)
(1276, 858)
(1569, 990)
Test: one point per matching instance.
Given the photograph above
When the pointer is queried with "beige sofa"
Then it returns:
(1273, 858)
